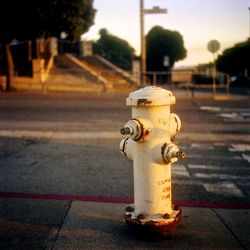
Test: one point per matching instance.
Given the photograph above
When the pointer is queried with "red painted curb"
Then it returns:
(65, 197)
(126, 200)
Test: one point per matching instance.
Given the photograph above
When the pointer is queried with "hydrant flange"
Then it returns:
(157, 226)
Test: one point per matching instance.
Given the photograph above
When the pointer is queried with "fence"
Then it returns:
(190, 80)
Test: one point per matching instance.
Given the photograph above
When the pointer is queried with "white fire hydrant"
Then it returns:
(149, 144)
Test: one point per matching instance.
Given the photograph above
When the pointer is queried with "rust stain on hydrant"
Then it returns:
(143, 102)
(149, 144)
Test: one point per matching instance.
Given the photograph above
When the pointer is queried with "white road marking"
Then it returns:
(246, 157)
(190, 182)
(219, 144)
(59, 135)
(229, 115)
(202, 146)
(206, 137)
(239, 148)
(26, 133)
(212, 167)
(180, 174)
(209, 108)
(178, 167)
(201, 156)
(198, 166)
(235, 117)
(221, 176)
(224, 188)
(224, 109)
(179, 170)
(187, 182)
(209, 137)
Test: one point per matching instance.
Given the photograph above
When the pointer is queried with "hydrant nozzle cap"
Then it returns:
(150, 96)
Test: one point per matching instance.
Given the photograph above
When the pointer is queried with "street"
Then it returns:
(70, 146)
(55, 150)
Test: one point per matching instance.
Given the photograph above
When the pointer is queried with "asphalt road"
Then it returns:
(69, 146)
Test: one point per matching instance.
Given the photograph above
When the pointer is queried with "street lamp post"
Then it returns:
(143, 44)
(154, 10)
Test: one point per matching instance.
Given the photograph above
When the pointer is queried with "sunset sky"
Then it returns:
(199, 21)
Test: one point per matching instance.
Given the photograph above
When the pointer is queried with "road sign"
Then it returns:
(155, 10)
(213, 46)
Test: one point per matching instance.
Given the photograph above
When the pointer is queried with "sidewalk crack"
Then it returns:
(60, 226)
(229, 229)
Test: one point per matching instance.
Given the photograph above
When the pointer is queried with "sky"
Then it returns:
(198, 21)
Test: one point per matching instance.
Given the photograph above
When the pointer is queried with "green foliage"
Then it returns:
(28, 19)
(235, 60)
(160, 43)
(113, 48)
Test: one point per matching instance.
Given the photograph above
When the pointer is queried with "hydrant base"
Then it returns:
(154, 229)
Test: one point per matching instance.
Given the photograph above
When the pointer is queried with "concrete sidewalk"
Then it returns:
(101, 226)
(44, 224)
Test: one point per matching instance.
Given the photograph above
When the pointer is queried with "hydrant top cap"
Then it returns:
(150, 96)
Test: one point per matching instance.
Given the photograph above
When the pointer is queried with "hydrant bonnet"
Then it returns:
(150, 96)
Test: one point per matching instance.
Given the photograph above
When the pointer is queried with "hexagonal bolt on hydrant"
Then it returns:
(149, 144)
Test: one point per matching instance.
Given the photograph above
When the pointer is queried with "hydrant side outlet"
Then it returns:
(149, 144)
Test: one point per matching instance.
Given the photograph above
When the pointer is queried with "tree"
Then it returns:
(28, 19)
(236, 61)
(161, 43)
(114, 49)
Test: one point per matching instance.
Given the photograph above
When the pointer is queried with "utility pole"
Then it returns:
(154, 10)
(143, 45)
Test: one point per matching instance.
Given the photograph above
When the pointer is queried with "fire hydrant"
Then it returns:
(149, 144)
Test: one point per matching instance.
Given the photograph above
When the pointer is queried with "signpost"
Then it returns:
(154, 10)
(213, 46)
